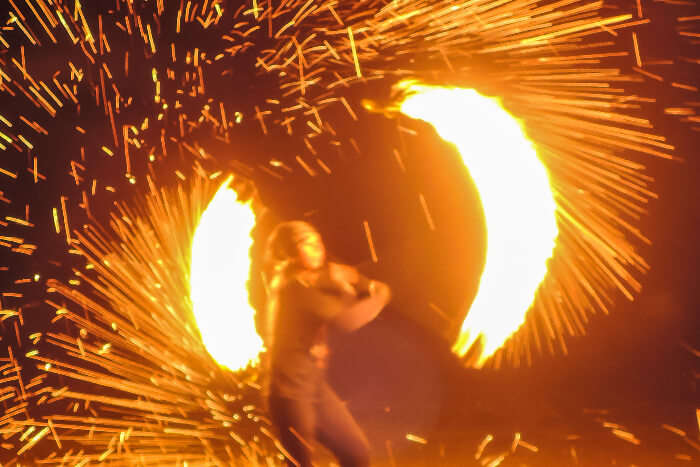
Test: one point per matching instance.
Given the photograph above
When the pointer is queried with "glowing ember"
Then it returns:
(218, 280)
(517, 200)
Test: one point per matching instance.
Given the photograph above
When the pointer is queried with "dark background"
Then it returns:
(398, 373)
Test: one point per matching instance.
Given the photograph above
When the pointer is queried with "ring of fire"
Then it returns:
(518, 207)
(219, 273)
(522, 231)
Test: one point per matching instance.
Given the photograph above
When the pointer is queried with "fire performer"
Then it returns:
(306, 295)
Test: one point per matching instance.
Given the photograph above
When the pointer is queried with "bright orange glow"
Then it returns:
(219, 274)
(517, 200)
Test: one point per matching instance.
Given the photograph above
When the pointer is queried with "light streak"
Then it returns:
(428, 217)
(636, 49)
(518, 205)
(559, 68)
(305, 166)
(368, 234)
(355, 60)
(219, 276)
(482, 445)
(416, 438)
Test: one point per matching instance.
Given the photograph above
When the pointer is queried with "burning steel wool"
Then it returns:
(518, 204)
(516, 259)
(119, 118)
(219, 275)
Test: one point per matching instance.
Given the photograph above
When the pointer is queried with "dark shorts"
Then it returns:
(326, 420)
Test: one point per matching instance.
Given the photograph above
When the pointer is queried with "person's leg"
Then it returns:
(296, 422)
(338, 431)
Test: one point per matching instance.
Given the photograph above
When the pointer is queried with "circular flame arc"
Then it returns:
(219, 273)
(518, 205)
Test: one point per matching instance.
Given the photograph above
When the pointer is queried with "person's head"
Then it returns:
(298, 243)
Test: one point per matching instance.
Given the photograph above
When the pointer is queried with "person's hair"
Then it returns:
(281, 247)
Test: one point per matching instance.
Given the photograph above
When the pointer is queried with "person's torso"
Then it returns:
(299, 354)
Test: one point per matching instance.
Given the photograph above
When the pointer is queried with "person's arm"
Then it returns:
(335, 300)
(363, 285)
(327, 300)
(350, 275)
(364, 310)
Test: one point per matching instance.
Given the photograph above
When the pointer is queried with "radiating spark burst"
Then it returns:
(130, 86)
(517, 200)
(544, 60)
(219, 280)
(155, 396)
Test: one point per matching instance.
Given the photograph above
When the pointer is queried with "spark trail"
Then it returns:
(96, 99)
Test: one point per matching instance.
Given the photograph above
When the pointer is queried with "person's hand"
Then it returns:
(380, 289)
(343, 273)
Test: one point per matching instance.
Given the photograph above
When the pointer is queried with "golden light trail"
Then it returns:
(559, 66)
(517, 200)
(218, 280)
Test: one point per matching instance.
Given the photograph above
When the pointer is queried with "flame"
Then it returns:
(517, 200)
(220, 268)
